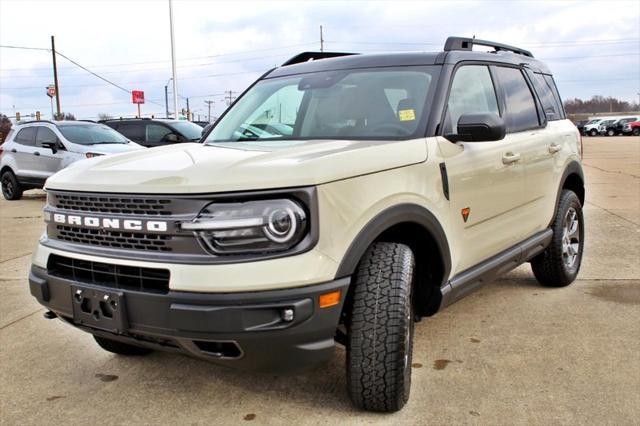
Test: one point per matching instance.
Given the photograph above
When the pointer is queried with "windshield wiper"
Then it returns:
(105, 143)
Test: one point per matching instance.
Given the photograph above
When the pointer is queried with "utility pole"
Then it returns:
(173, 61)
(55, 76)
(230, 98)
(188, 111)
(321, 40)
(166, 101)
(209, 112)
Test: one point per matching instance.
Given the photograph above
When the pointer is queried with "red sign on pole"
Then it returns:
(137, 97)
(51, 91)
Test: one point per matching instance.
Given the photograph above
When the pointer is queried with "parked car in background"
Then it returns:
(156, 132)
(580, 125)
(620, 124)
(591, 127)
(631, 128)
(36, 150)
(201, 123)
(607, 127)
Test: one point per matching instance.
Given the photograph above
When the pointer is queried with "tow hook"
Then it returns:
(50, 315)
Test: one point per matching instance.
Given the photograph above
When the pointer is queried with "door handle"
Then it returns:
(554, 147)
(36, 153)
(510, 158)
(14, 150)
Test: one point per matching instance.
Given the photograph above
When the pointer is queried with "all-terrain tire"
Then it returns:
(380, 329)
(559, 264)
(120, 348)
(11, 189)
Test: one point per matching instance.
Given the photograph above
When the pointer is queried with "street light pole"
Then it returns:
(55, 76)
(173, 60)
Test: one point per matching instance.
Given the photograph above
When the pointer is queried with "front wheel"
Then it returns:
(636, 131)
(559, 264)
(380, 329)
(11, 189)
(593, 132)
(611, 133)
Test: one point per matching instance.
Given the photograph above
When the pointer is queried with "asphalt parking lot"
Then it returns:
(511, 353)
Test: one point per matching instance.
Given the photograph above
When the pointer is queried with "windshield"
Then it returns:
(87, 134)
(187, 129)
(383, 103)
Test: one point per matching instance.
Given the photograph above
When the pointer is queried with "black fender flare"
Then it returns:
(401, 213)
(574, 167)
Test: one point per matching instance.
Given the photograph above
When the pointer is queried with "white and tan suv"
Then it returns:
(341, 198)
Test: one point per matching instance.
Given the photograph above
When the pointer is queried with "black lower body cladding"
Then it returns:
(271, 331)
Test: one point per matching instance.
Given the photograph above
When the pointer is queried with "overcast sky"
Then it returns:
(593, 48)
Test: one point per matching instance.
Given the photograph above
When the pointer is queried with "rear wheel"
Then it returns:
(11, 189)
(380, 329)
(636, 131)
(559, 264)
(120, 348)
(611, 132)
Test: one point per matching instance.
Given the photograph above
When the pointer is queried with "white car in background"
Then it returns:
(36, 150)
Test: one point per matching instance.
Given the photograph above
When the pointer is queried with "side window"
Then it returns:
(45, 135)
(26, 136)
(472, 91)
(156, 132)
(521, 113)
(545, 95)
(133, 131)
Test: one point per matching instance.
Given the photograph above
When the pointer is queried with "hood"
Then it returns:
(236, 166)
(107, 148)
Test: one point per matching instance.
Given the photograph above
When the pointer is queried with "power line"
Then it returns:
(100, 77)
(24, 47)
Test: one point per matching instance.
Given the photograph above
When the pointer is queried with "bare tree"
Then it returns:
(5, 127)
(598, 104)
(104, 116)
(67, 116)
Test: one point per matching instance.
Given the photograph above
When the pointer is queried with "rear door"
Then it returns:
(134, 130)
(48, 163)
(486, 179)
(25, 150)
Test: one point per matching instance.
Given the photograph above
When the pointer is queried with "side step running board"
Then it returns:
(472, 278)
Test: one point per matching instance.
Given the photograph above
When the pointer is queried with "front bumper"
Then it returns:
(244, 330)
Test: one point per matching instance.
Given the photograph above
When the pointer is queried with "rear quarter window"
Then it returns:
(552, 110)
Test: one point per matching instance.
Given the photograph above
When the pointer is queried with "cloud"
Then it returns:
(128, 43)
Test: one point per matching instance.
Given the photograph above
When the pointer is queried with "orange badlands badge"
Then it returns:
(465, 214)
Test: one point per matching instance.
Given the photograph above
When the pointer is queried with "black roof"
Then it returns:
(456, 49)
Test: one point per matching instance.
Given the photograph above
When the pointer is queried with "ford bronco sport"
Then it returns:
(393, 186)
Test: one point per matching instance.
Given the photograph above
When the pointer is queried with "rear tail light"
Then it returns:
(1, 150)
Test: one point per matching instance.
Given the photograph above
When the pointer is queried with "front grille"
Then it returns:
(114, 239)
(150, 280)
(110, 204)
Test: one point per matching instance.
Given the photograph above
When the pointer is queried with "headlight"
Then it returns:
(263, 226)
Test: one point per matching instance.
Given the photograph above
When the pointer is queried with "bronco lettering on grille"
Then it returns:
(109, 223)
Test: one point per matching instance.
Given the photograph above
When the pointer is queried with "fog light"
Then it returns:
(287, 315)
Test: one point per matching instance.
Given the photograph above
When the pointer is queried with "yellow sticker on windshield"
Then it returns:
(407, 115)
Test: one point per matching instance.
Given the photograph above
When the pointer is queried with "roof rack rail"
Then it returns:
(465, 43)
(88, 121)
(21, 122)
(314, 56)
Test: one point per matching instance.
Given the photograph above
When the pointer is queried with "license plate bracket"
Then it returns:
(101, 309)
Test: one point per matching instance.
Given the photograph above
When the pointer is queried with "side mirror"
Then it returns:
(53, 146)
(171, 137)
(479, 127)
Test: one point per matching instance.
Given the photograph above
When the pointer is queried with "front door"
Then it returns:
(486, 179)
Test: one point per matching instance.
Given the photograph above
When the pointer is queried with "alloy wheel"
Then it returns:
(570, 238)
